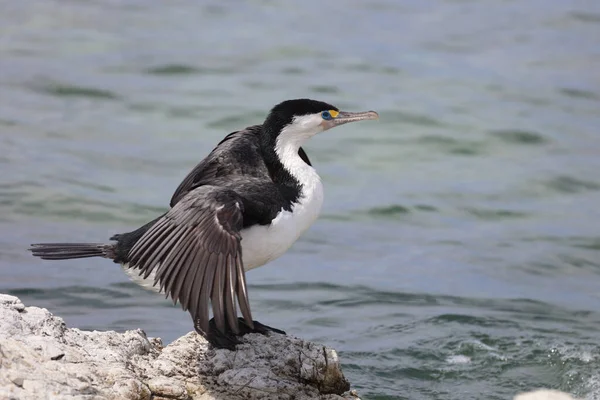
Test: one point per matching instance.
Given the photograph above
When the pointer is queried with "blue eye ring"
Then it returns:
(326, 115)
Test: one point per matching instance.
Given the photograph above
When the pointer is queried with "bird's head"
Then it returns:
(292, 122)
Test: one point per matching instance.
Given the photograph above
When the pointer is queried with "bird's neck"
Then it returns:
(292, 174)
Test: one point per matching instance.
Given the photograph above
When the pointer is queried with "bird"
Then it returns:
(241, 207)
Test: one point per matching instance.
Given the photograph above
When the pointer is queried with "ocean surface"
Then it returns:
(458, 252)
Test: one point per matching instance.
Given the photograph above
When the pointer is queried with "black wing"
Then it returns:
(196, 253)
(237, 154)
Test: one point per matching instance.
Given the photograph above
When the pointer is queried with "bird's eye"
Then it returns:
(326, 115)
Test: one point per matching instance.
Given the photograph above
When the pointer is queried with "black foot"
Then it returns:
(229, 340)
(258, 328)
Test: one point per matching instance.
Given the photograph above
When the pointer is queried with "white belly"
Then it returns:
(264, 243)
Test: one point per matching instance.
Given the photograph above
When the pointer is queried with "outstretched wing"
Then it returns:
(195, 252)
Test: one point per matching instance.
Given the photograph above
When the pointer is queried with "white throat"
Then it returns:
(289, 141)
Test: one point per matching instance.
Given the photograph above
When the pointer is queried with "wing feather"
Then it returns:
(242, 293)
(230, 285)
(184, 257)
(195, 252)
(176, 259)
(184, 274)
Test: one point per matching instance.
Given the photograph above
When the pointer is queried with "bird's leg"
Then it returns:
(229, 340)
(218, 339)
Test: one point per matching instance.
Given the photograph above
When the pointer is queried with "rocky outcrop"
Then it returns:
(544, 394)
(40, 358)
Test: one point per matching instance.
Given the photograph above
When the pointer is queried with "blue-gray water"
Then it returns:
(457, 256)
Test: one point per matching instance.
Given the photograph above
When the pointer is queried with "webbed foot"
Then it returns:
(229, 340)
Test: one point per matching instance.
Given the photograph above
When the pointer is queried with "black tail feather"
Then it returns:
(67, 251)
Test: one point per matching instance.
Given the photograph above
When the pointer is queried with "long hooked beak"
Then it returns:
(344, 117)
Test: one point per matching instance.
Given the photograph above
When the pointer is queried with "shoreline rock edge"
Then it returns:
(40, 357)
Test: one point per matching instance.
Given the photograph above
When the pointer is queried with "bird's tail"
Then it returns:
(66, 251)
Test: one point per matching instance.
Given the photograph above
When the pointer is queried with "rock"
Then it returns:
(41, 358)
(544, 394)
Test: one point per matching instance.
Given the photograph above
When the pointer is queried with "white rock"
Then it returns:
(41, 358)
(544, 394)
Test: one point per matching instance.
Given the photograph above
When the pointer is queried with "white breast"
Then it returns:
(264, 243)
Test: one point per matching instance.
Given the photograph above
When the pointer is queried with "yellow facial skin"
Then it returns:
(343, 117)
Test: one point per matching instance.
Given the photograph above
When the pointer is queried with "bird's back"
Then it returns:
(237, 155)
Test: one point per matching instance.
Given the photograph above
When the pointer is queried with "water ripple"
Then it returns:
(70, 90)
(515, 136)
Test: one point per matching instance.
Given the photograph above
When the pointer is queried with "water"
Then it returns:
(457, 253)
